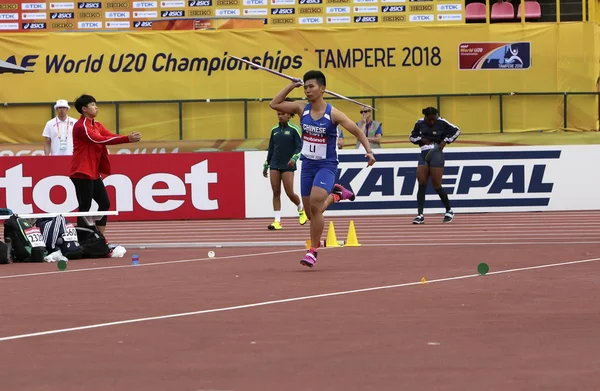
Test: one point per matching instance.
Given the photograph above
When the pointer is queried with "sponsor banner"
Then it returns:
(67, 14)
(141, 187)
(359, 62)
(148, 147)
(492, 179)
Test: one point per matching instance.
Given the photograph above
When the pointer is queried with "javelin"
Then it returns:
(298, 81)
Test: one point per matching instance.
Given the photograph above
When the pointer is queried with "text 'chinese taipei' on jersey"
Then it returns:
(319, 137)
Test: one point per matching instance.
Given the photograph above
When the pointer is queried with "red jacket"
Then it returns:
(90, 156)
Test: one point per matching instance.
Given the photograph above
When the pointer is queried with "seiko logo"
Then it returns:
(395, 8)
(365, 19)
(62, 15)
(283, 21)
(90, 15)
(172, 14)
(338, 1)
(138, 25)
(282, 11)
(200, 3)
(9, 6)
(398, 18)
(200, 13)
(33, 26)
(117, 5)
(421, 8)
(89, 5)
(314, 10)
(62, 25)
(227, 2)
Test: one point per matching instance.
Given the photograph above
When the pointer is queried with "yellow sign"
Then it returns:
(135, 15)
(378, 61)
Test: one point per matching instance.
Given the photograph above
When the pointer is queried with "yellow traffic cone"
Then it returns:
(352, 240)
(331, 239)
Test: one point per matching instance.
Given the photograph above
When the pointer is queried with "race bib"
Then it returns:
(314, 147)
(70, 234)
(63, 145)
(35, 237)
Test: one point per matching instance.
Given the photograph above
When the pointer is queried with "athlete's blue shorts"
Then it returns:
(317, 173)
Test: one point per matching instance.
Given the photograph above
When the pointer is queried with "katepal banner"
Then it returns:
(379, 61)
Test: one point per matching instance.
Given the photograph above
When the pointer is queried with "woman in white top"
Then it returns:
(59, 131)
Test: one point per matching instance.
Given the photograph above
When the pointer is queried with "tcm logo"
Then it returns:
(117, 15)
(200, 3)
(12, 65)
(302, 2)
(33, 6)
(338, 10)
(449, 7)
(89, 25)
(393, 8)
(366, 19)
(33, 26)
(283, 11)
(145, 4)
(309, 20)
(87, 5)
(227, 12)
(172, 14)
(62, 15)
(6, 16)
(421, 18)
(139, 25)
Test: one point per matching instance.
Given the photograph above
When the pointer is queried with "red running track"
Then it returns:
(254, 319)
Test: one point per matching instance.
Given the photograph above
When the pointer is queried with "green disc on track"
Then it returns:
(483, 268)
(62, 265)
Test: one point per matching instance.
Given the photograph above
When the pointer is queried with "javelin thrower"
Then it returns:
(319, 122)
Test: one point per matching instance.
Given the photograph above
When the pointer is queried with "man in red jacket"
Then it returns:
(90, 158)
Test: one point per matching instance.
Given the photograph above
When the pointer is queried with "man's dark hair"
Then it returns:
(429, 111)
(83, 100)
(317, 75)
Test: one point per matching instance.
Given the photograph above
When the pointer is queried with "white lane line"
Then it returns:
(288, 300)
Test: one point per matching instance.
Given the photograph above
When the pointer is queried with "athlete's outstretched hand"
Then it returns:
(371, 159)
(297, 83)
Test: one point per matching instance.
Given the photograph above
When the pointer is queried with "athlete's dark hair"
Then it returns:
(317, 75)
(427, 111)
(83, 100)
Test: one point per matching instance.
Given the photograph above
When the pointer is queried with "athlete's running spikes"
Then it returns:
(344, 193)
(310, 259)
